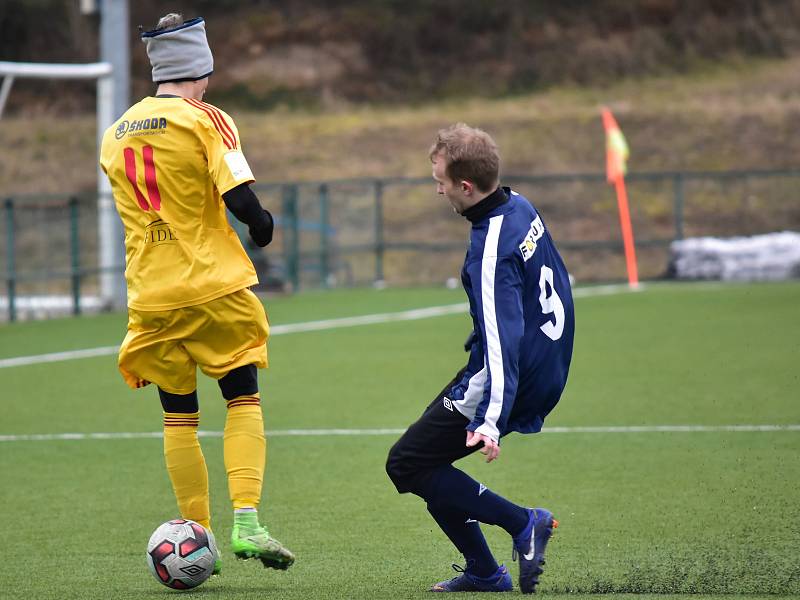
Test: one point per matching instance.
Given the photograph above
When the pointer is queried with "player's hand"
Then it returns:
(491, 449)
(262, 234)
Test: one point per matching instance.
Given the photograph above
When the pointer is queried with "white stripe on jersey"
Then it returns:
(494, 351)
(473, 396)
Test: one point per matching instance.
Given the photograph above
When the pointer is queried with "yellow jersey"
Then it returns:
(169, 160)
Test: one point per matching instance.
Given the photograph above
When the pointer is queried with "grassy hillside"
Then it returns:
(315, 52)
(738, 116)
(741, 115)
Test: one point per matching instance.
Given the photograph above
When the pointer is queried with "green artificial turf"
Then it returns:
(709, 513)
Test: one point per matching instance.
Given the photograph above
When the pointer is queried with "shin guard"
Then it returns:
(245, 450)
(186, 466)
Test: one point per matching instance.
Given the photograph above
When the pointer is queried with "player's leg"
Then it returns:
(230, 347)
(152, 352)
(481, 572)
(466, 535)
(244, 443)
(245, 460)
(184, 458)
(450, 489)
(436, 440)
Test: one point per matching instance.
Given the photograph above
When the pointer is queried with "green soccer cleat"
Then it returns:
(256, 542)
(217, 563)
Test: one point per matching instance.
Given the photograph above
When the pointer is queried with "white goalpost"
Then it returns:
(110, 255)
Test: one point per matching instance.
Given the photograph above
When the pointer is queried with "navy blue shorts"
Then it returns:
(436, 439)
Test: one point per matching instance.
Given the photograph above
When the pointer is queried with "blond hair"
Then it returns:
(470, 154)
(169, 21)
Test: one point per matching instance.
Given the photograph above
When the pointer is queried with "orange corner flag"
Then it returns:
(616, 166)
(617, 151)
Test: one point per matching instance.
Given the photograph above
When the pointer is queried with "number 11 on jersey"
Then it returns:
(149, 177)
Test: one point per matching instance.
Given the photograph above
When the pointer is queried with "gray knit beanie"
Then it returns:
(179, 53)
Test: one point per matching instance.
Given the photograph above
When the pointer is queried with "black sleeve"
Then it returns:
(244, 205)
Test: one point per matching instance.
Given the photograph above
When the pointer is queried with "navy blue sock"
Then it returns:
(451, 488)
(467, 536)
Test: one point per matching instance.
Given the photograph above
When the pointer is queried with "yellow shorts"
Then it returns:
(165, 347)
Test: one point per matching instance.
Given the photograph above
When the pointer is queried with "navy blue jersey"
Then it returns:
(521, 306)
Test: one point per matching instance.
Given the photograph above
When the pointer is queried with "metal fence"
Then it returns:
(398, 232)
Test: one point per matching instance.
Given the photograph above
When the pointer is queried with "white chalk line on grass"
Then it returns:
(374, 319)
(44, 437)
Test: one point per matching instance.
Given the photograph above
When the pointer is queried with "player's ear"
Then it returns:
(467, 187)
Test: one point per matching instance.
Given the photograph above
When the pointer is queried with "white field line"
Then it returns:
(40, 437)
(406, 315)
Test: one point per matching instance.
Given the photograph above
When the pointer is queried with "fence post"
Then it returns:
(677, 185)
(11, 282)
(75, 257)
(291, 241)
(379, 246)
(324, 263)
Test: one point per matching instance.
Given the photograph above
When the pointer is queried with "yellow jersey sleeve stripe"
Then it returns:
(219, 122)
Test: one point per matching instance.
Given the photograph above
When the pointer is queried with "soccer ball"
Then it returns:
(181, 554)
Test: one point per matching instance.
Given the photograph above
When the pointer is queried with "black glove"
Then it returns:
(262, 232)
(244, 205)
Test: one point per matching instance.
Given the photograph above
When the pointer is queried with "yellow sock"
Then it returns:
(245, 450)
(186, 466)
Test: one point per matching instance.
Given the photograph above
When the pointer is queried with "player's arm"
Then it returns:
(502, 326)
(231, 173)
(244, 205)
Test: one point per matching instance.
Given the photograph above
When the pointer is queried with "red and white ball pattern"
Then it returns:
(181, 554)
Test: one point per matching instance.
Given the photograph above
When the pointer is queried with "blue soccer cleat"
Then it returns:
(500, 581)
(530, 546)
